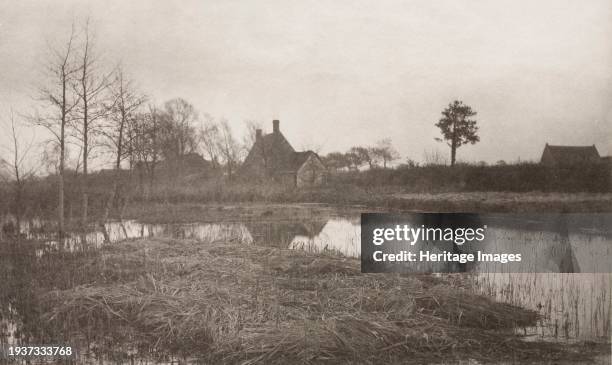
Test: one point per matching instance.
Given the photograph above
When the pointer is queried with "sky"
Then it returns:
(343, 73)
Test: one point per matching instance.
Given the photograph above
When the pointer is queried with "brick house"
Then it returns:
(273, 157)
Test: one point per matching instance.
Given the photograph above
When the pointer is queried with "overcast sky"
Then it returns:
(343, 73)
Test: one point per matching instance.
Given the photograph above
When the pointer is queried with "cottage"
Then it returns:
(568, 155)
(273, 157)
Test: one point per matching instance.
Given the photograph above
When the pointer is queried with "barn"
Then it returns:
(569, 155)
(273, 157)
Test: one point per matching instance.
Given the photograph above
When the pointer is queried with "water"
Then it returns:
(574, 306)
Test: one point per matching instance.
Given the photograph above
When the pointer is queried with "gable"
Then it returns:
(270, 151)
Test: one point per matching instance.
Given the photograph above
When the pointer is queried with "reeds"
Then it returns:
(229, 303)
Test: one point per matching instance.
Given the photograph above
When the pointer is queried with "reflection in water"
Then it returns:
(574, 306)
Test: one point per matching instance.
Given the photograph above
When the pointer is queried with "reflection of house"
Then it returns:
(273, 157)
(568, 155)
(281, 234)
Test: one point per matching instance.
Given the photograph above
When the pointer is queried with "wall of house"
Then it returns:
(311, 173)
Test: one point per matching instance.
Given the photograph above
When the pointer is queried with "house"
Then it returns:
(569, 155)
(273, 157)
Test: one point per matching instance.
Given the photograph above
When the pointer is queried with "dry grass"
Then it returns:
(216, 302)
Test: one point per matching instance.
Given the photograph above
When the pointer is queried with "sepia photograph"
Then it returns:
(306, 182)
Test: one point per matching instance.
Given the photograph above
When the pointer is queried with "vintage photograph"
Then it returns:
(194, 182)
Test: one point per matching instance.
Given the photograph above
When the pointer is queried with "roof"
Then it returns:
(274, 154)
(300, 157)
(572, 152)
(275, 150)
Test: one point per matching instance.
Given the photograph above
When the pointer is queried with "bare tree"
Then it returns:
(209, 138)
(91, 89)
(20, 168)
(125, 103)
(251, 135)
(143, 145)
(179, 127)
(361, 155)
(229, 148)
(433, 157)
(148, 142)
(337, 161)
(385, 152)
(60, 103)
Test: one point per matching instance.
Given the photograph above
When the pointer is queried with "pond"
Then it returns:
(574, 306)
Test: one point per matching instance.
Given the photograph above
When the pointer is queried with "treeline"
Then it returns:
(92, 110)
(380, 155)
(520, 177)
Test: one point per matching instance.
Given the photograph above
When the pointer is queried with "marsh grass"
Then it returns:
(214, 302)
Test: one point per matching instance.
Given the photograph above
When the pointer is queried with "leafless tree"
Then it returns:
(385, 152)
(336, 161)
(125, 101)
(147, 142)
(60, 102)
(91, 88)
(19, 167)
(433, 157)
(361, 155)
(249, 138)
(143, 145)
(181, 118)
(229, 148)
(209, 138)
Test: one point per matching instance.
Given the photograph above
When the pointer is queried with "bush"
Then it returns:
(595, 178)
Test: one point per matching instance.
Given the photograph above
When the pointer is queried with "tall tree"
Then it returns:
(251, 134)
(457, 127)
(60, 102)
(209, 138)
(125, 101)
(228, 147)
(147, 142)
(19, 167)
(91, 88)
(180, 120)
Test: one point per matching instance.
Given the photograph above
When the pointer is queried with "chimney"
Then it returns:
(275, 126)
(257, 135)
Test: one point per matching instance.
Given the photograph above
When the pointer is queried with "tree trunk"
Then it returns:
(60, 204)
(84, 197)
(107, 209)
(115, 191)
(453, 146)
(18, 206)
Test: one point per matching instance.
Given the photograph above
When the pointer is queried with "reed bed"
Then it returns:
(214, 302)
